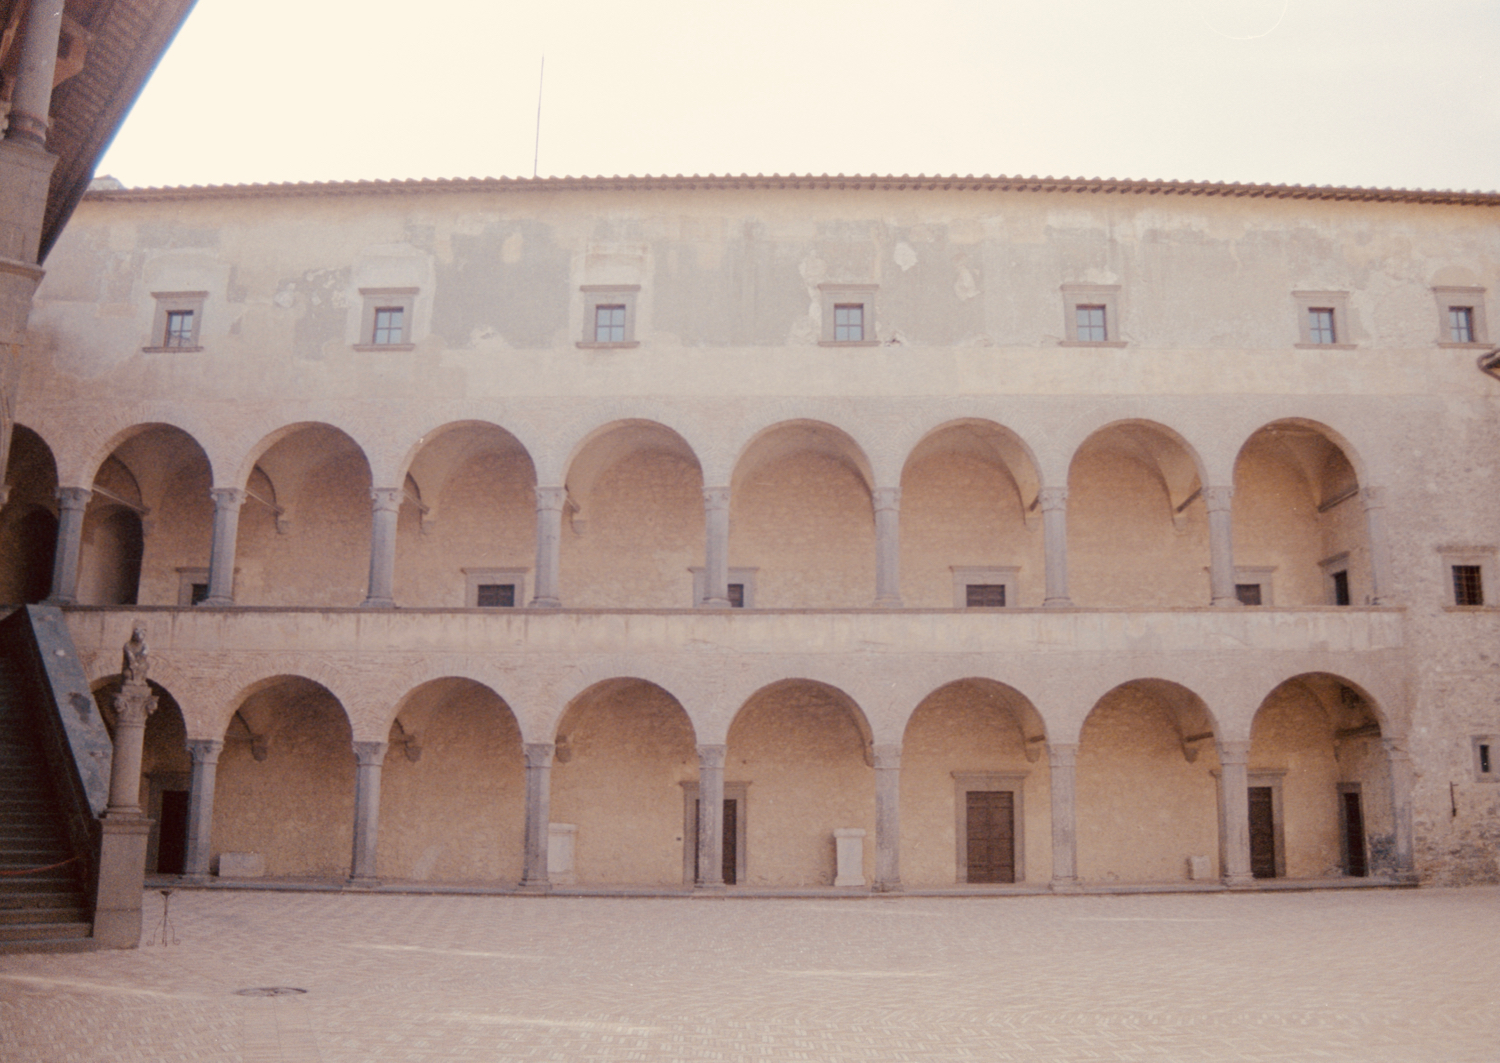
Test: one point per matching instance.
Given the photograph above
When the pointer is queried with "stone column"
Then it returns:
(710, 817)
(386, 511)
(227, 502)
(716, 548)
(887, 819)
(31, 102)
(538, 813)
(549, 507)
(133, 704)
(888, 547)
(1063, 760)
(205, 753)
(371, 756)
(1054, 502)
(125, 828)
(1220, 545)
(71, 502)
(1401, 776)
(1380, 545)
(1234, 813)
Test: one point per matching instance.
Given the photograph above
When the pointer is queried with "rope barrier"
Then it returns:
(36, 870)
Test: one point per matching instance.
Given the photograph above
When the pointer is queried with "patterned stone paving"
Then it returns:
(1367, 976)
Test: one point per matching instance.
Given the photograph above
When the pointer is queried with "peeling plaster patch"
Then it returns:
(511, 249)
(905, 256)
(964, 285)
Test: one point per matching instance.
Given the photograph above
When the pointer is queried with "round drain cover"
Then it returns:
(269, 991)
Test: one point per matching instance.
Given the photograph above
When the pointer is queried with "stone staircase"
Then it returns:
(39, 910)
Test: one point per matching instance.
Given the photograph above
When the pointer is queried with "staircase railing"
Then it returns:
(77, 745)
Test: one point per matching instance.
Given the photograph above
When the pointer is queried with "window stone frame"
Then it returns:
(1105, 295)
(186, 578)
(832, 295)
(1493, 741)
(1483, 556)
(170, 302)
(745, 577)
(404, 299)
(597, 295)
(1008, 576)
(1329, 566)
(473, 577)
(1263, 577)
(1447, 297)
(740, 792)
(1343, 321)
(985, 781)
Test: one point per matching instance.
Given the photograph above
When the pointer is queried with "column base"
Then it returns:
(378, 603)
(535, 887)
(122, 879)
(715, 603)
(1058, 603)
(221, 603)
(1239, 882)
(545, 603)
(709, 888)
(888, 887)
(362, 883)
(889, 602)
(1227, 603)
(1064, 885)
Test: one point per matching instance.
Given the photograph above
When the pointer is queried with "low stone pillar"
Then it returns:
(1399, 760)
(849, 854)
(1380, 545)
(549, 508)
(71, 502)
(1234, 813)
(538, 810)
(715, 548)
(385, 515)
(371, 757)
(887, 819)
(562, 841)
(1062, 760)
(710, 817)
(125, 829)
(887, 501)
(1219, 501)
(1054, 502)
(227, 503)
(200, 819)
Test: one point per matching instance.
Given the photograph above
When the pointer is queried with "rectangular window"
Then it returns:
(848, 322)
(1468, 585)
(985, 596)
(389, 326)
(1320, 326)
(1092, 326)
(736, 596)
(1484, 758)
(1341, 588)
(495, 596)
(1248, 593)
(179, 329)
(197, 592)
(1460, 324)
(609, 323)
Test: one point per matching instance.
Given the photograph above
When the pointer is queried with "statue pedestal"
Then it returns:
(122, 869)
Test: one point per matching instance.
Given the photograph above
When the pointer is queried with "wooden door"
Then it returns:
(991, 842)
(731, 832)
(1262, 833)
(1354, 836)
(171, 844)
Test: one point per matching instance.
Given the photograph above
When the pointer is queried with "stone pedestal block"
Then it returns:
(561, 843)
(849, 846)
(122, 871)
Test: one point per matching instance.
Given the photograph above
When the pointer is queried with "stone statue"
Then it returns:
(137, 658)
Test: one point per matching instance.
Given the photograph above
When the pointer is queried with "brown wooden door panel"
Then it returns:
(991, 841)
(1262, 833)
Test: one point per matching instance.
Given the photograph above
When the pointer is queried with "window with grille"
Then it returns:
(1468, 585)
(609, 323)
(1092, 324)
(390, 326)
(495, 596)
(1341, 588)
(736, 596)
(1320, 325)
(1460, 324)
(179, 329)
(1248, 593)
(985, 596)
(197, 593)
(848, 322)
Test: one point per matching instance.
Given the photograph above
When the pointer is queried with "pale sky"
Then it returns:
(1398, 93)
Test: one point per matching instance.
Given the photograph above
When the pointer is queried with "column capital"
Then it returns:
(228, 497)
(386, 499)
(74, 497)
(887, 758)
(886, 498)
(1062, 754)
(711, 756)
(133, 704)
(1218, 499)
(1373, 497)
(370, 754)
(205, 750)
(1052, 498)
(538, 754)
(552, 496)
(1237, 752)
(716, 497)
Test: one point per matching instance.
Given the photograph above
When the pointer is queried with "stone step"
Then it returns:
(41, 900)
(38, 915)
(44, 931)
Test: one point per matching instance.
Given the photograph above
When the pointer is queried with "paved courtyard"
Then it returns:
(1363, 976)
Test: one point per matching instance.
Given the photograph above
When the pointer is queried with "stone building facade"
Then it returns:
(901, 533)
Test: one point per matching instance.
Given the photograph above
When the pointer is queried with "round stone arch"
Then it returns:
(623, 756)
(452, 786)
(758, 444)
(252, 455)
(1147, 792)
(80, 452)
(28, 522)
